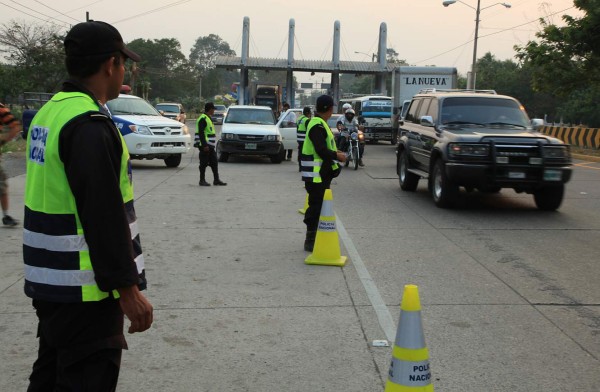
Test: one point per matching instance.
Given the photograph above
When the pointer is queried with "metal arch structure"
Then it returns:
(335, 67)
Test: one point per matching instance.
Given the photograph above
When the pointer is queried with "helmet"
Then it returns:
(346, 107)
(350, 112)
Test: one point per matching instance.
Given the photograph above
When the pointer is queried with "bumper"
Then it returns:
(518, 177)
(250, 148)
(146, 146)
(217, 120)
(378, 134)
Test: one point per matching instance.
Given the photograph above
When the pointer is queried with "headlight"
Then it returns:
(556, 152)
(185, 130)
(353, 135)
(462, 149)
(227, 136)
(141, 129)
(273, 138)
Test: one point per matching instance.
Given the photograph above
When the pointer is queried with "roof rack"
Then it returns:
(456, 90)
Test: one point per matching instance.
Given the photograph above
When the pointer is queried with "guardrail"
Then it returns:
(575, 136)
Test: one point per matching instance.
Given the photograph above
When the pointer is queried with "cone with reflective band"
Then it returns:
(303, 210)
(327, 244)
(409, 369)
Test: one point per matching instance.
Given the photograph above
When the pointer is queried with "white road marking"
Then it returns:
(381, 310)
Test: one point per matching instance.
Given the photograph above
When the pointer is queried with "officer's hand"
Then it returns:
(341, 157)
(137, 309)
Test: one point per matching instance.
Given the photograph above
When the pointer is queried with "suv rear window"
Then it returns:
(480, 110)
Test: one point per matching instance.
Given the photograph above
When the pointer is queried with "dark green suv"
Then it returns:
(478, 140)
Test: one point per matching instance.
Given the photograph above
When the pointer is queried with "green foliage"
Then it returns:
(205, 51)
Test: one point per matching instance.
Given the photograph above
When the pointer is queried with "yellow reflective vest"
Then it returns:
(311, 162)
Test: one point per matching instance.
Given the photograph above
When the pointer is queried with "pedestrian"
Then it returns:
(206, 140)
(291, 118)
(320, 165)
(84, 266)
(6, 120)
(301, 132)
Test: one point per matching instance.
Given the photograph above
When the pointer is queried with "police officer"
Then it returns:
(320, 165)
(301, 131)
(206, 141)
(84, 267)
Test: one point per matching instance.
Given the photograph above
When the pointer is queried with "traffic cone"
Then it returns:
(303, 210)
(327, 245)
(409, 369)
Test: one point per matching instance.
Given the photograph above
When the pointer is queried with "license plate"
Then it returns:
(552, 175)
(516, 175)
(250, 146)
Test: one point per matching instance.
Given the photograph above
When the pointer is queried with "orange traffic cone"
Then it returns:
(409, 369)
(303, 210)
(327, 245)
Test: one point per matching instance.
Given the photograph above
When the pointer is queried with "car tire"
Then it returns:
(443, 191)
(173, 160)
(222, 156)
(279, 157)
(549, 198)
(408, 181)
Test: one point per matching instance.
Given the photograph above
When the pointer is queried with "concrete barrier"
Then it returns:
(575, 136)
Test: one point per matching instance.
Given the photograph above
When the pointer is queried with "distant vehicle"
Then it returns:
(250, 130)
(172, 110)
(374, 112)
(149, 135)
(217, 117)
(266, 95)
(478, 140)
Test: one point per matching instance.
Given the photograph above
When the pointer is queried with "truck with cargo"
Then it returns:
(263, 94)
(408, 81)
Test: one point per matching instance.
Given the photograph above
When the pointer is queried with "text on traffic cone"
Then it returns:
(327, 245)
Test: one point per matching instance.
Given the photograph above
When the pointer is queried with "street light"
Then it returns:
(373, 55)
(478, 10)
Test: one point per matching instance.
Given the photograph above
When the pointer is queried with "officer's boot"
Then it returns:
(203, 177)
(217, 181)
(360, 162)
(309, 242)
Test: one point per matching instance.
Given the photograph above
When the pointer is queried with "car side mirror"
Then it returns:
(427, 121)
(537, 123)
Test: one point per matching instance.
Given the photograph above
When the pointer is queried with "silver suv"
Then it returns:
(478, 140)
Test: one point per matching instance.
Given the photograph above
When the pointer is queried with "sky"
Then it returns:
(422, 32)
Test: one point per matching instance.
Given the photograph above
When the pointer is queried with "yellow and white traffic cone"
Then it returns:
(327, 245)
(409, 369)
(303, 210)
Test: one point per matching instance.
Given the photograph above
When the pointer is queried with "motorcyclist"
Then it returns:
(347, 124)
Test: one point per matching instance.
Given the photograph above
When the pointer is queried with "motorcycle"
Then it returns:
(353, 138)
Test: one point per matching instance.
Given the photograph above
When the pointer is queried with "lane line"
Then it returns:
(381, 310)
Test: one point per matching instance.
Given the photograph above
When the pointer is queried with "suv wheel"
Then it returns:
(279, 157)
(408, 180)
(222, 156)
(549, 198)
(173, 160)
(443, 191)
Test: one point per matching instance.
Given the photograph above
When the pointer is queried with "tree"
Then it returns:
(565, 61)
(35, 57)
(164, 72)
(202, 57)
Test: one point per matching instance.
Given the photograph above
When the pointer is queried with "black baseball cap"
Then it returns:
(95, 38)
(324, 102)
(208, 106)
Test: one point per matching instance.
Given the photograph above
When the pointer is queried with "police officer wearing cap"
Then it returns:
(206, 141)
(84, 266)
(301, 132)
(320, 165)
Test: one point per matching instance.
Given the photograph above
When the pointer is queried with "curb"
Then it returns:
(589, 158)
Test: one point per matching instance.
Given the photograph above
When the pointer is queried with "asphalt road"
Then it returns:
(510, 294)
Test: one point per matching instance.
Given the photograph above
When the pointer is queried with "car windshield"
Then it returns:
(457, 111)
(131, 105)
(250, 116)
(220, 108)
(376, 106)
(168, 108)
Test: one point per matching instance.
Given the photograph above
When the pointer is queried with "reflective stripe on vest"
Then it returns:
(210, 136)
(301, 128)
(311, 162)
(58, 267)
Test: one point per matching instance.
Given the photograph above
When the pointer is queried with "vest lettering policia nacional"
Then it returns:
(209, 132)
(311, 161)
(58, 267)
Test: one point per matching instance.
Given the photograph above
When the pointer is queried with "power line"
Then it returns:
(33, 16)
(47, 6)
(41, 13)
(487, 35)
(170, 5)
